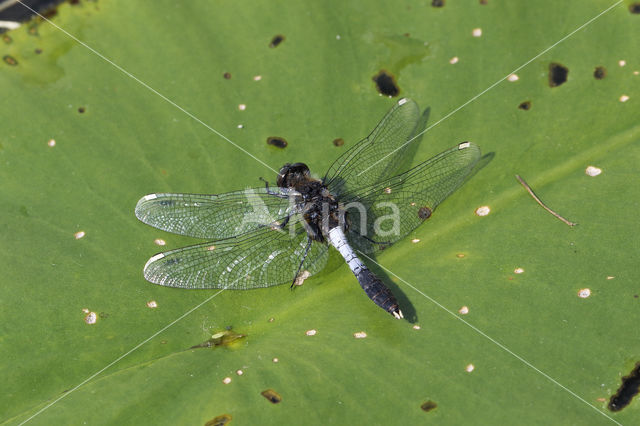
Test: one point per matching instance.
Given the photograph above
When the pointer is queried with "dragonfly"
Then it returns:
(272, 235)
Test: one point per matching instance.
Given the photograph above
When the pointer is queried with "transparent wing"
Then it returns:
(390, 209)
(261, 258)
(374, 158)
(215, 216)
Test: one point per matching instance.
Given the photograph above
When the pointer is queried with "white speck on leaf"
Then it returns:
(584, 293)
(91, 318)
(593, 171)
(483, 210)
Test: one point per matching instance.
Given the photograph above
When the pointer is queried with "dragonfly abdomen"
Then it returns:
(373, 286)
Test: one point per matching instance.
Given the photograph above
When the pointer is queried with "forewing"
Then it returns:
(377, 156)
(392, 208)
(215, 216)
(261, 258)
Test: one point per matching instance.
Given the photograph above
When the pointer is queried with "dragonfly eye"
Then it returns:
(292, 173)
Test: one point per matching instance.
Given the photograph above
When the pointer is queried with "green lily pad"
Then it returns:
(89, 129)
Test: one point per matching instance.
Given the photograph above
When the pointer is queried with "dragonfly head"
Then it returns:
(291, 174)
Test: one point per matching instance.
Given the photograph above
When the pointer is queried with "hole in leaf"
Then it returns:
(599, 73)
(525, 106)
(10, 60)
(277, 142)
(338, 142)
(630, 388)
(557, 74)
(386, 83)
(424, 213)
(428, 406)
(221, 420)
(276, 40)
(634, 8)
(271, 395)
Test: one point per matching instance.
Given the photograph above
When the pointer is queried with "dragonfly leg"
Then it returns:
(306, 251)
(269, 191)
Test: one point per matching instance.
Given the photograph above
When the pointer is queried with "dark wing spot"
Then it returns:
(424, 213)
(338, 142)
(629, 388)
(276, 40)
(271, 395)
(277, 142)
(599, 73)
(557, 74)
(172, 261)
(386, 83)
(166, 203)
(428, 406)
(525, 106)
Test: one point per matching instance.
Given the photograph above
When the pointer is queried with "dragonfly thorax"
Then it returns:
(320, 209)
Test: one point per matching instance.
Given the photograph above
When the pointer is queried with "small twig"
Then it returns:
(530, 191)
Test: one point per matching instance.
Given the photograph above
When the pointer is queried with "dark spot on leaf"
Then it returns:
(33, 29)
(74, 1)
(630, 388)
(224, 338)
(277, 142)
(599, 73)
(437, 3)
(525, 106)
(6, 38)
(81, 110)
(428, 406)
(635, 296)
(271, 395)
(386, 83)
(424, 213)
(276, 40)
(38, 51)
(484, 2)
(103, 315)
(10, 60)
(338, 142)
(221, 420)
(227, 75)
(634, 8)
(557, 74)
